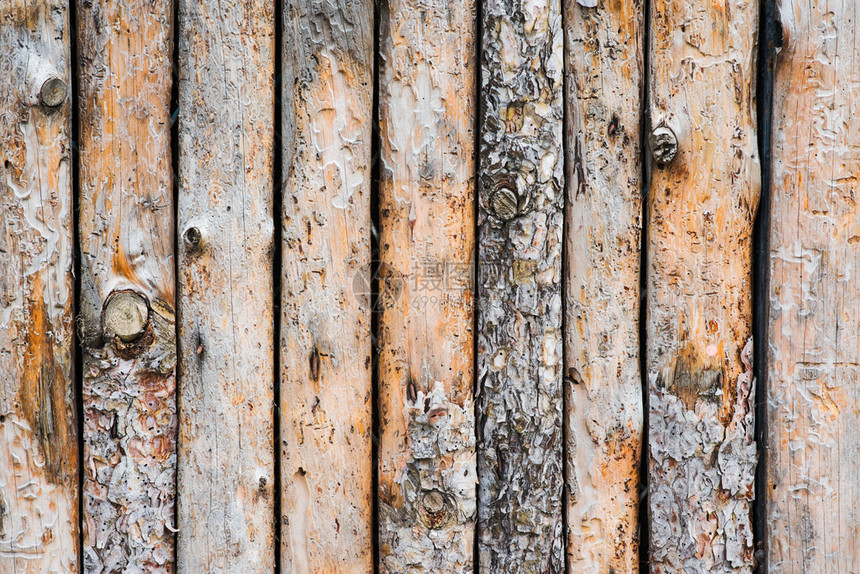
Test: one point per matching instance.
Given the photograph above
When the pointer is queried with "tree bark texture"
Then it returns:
(226, 362)
(520, 221)
(603, 384)
(127, 286)
(326, 387)
(701, 207)
(813, 345)
(427, 112)
(38, 429)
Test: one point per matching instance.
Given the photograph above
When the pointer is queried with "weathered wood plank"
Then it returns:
(813, 346)
(38, 445)
(520, 218)
(326, 388)
(604, 59)
(226, 328)
(427, 117)
(127, 285)
(701, 207)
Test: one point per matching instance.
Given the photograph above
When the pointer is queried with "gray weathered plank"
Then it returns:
(427, 113)
(604, 59)
(226, 327)
(520, 218)
(38, 445)
(326, 388)
(127, 286)
(701, 207)
(813, 345)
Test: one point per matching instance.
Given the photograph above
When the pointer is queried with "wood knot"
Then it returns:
(663, 144)
(193, 238)
(53, 92)
(126, 316)
(435, 509)
(504, 203)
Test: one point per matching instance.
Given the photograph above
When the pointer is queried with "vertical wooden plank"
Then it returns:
(326, 390)
(127, 285)
(701, 207)
(427, 114)
(226, 328)
(813, 352)
(604, 59)
(38, 445)
(519, 288)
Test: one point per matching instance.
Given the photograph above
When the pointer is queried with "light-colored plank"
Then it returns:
(326, 391)
(520, 221)
(38, 445)
(127, 285)
(226, 389)
(604, 59)
(427, 474)
(699, 348)
(813, 346)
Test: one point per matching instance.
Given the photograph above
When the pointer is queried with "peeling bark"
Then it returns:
(127, 318)
(519, 288)
(226, 138)
(38, 445)
(701, 209)
(326, 349)
(813, 346)
(427, 441)
(603, 384)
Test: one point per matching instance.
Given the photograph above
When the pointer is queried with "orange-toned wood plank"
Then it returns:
(127, 285)
(427, 113)
(38, 430)
(326, 388)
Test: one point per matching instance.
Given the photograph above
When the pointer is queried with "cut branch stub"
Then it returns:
(664, 145)
(504, 203)
(125, 316)
(53, 92)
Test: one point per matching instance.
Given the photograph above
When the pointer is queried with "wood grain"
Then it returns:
(427, 113)
(38, 444)
(604, 55)
(700, 213)
(226, 325)
(813, 345)
(326, 387)
(128, 330)
(520, 219)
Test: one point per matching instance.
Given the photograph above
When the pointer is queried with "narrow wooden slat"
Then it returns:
(127, 285)
(604, 59)
(813, 346)
(326, 392)
(520, 220)
(226, 328)
(699, 348)
(427, 474)
(38, 445)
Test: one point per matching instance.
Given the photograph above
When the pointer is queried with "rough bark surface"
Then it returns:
(127, 286)
(427, 114)
(38, 446)
(813, 353)
(326, 390)
(226, 138)
(519, 288)
(699, 348)
(603, 384)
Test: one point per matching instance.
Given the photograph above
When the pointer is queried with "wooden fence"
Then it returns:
(429, 286)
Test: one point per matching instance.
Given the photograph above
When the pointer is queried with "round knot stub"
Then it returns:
(504, 203)
(434, 511)
(125, 316)
(192, 237)
(664, 145)
(53, 92)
